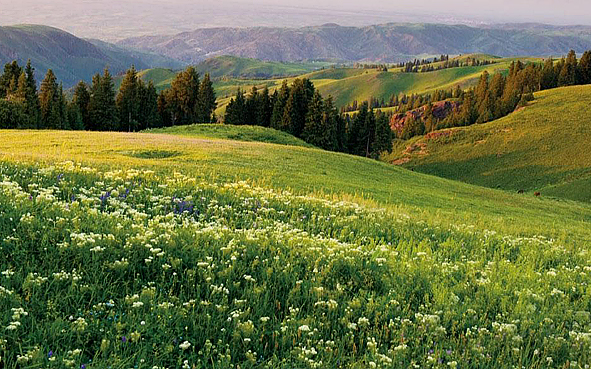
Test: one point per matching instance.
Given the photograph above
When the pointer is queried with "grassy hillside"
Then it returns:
(382, 85)
(71, 58)
(178, 251)
(543, 147)
(237, 133)
(349, 84)
(232, 66)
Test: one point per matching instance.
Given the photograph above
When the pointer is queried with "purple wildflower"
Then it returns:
(123, 339)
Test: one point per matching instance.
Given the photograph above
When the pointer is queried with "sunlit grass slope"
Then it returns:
(238, 133)
(544, 147)
(151, 250)
(305, 170)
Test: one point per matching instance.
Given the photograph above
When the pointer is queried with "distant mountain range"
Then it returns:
(74, 59)
(382, 43)
(71, 58)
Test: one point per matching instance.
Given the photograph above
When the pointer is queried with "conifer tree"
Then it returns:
(568, 73)
(164, 111)
(182, 97)
(548, 76)
(265, 108)
(235, 110)
(81, 100)
(102, 108)
(316, 122)
(50, 100)
(584, 68)
(383, 136)
(9, 79)
(206, 100)
(279, 106)
(356, 131)
(128, 101)
(148, 109)
(32, 106)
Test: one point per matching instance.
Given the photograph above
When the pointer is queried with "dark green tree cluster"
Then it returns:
(369, 134)
(188, 100)
(302, 111)
(424, 66)
(136, 106)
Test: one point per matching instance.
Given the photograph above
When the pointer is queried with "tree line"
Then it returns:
(497, 96)
(135, 106)
(301, 110)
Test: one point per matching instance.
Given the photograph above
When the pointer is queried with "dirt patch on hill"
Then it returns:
(417, 149)
(401, 161)
(438, 134)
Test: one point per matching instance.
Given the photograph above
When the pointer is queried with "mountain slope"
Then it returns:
(388, 42)
(71, 58)
(544, 147)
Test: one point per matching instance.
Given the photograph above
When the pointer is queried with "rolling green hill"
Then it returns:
(232, 66)
(237, 133)
(168, 250)
(71, 58)
(348, 84)
(543, 147)
(362, 85)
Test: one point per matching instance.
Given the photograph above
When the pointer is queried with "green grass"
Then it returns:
(543, 147)
(346, 85)
(237, 133)
(232, 66)
(382, 85)
(191, 250)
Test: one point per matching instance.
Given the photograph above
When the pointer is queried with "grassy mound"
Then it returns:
(177, 261)
(543, 147)
(237, 133)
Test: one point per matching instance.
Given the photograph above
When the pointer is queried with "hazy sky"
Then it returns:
(547, 11)
(116, 19)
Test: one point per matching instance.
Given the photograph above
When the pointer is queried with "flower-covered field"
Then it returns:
(136, 269)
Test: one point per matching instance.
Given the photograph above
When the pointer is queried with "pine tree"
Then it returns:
(182, 97)
(82, 99)
(356, 143)
(383, 136)
(584, 68)
(128, 101)
(32, 106)
(265, 108)
(74, 116)
(279, 106)
(548, 77)
(165, 115)
(568, 73)
(251, 107)
(235, 110)
(206, 101)
(148, 109)
(102, 108)
(9, 79)
(315, 130)
(50, 101)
